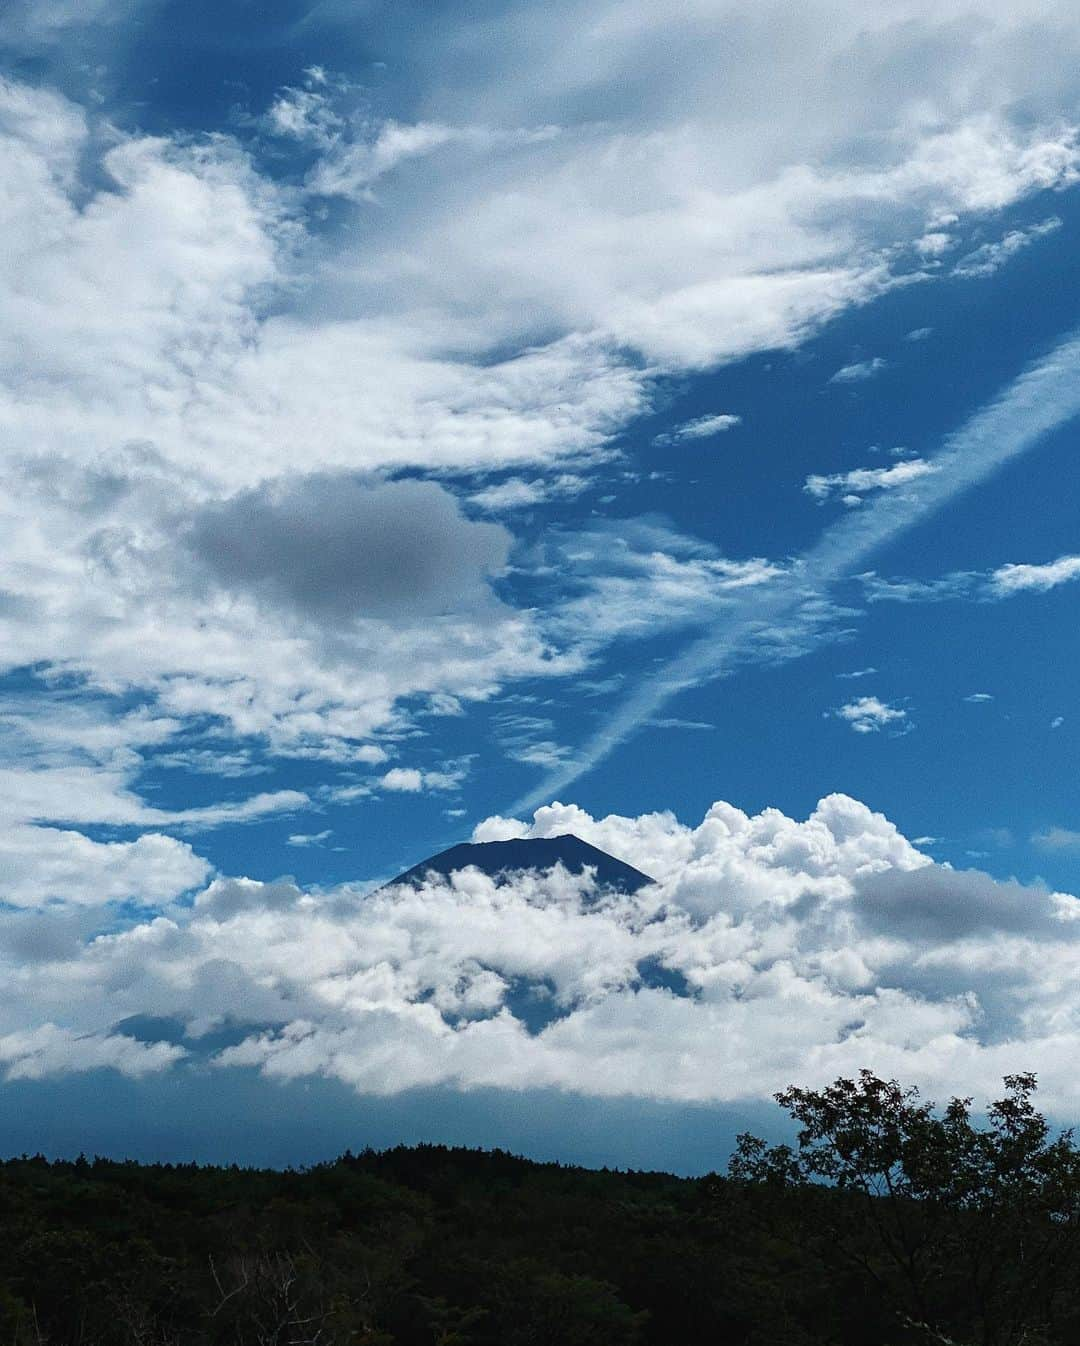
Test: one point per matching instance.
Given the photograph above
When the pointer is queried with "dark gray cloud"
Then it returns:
(936, 903)
(45, 936)
(339, 548)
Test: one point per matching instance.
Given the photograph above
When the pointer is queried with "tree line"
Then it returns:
(886, 1222)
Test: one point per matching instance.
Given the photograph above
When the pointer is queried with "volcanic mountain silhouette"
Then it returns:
(540, 853)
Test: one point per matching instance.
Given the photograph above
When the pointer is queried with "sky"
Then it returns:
(422, 424)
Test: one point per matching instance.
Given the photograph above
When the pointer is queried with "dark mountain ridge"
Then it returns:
(496, 858)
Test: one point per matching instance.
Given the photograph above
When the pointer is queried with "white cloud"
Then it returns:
(66, 763)
(530, 739)
(1011, 579)
(49, 1050)
(703, 427)
(632, 578)
(868, 715)
(352, 166)
(519, 493)
(308, 838)
(863, 480)
(647, 236)
(860, 371)
(805, 949)
(979, 698)
(1057, 839)
(411, 780)
(83, 794)
(305, 114)
(40, 865)
(991, 257)
(982, 586)
(179, 331)
(407, 779)
(207, 762)
(934, 244)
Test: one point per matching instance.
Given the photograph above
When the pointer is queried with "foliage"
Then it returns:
(970, 1233)
(886, 1223)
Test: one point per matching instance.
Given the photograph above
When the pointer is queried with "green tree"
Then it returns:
(971, 1233)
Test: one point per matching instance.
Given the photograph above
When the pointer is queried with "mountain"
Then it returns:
(540, 853)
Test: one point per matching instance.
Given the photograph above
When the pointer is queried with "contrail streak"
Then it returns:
(1043, 398)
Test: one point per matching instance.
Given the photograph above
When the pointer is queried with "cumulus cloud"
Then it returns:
(50, 1050)
(868, 715)
(852, 486)
(306, 113)
(1014, 578)
(47, 864)
(303, 612)
(801, 949)
(411, 780)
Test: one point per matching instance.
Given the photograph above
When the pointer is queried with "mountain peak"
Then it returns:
(495, 858)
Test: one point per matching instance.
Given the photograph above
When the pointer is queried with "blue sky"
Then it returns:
(411, 420)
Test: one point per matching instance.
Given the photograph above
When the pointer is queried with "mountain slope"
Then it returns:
(540, 853)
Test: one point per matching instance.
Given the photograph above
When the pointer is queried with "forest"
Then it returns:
(886, 1221)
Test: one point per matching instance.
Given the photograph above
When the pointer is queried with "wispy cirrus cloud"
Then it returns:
(220, 347)
(860, 371)
(702, 427)
(1044, 397)
(1057, 839)
(979, 586)
(989, 258)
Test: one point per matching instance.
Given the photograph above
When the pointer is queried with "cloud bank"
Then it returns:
(768, 950)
